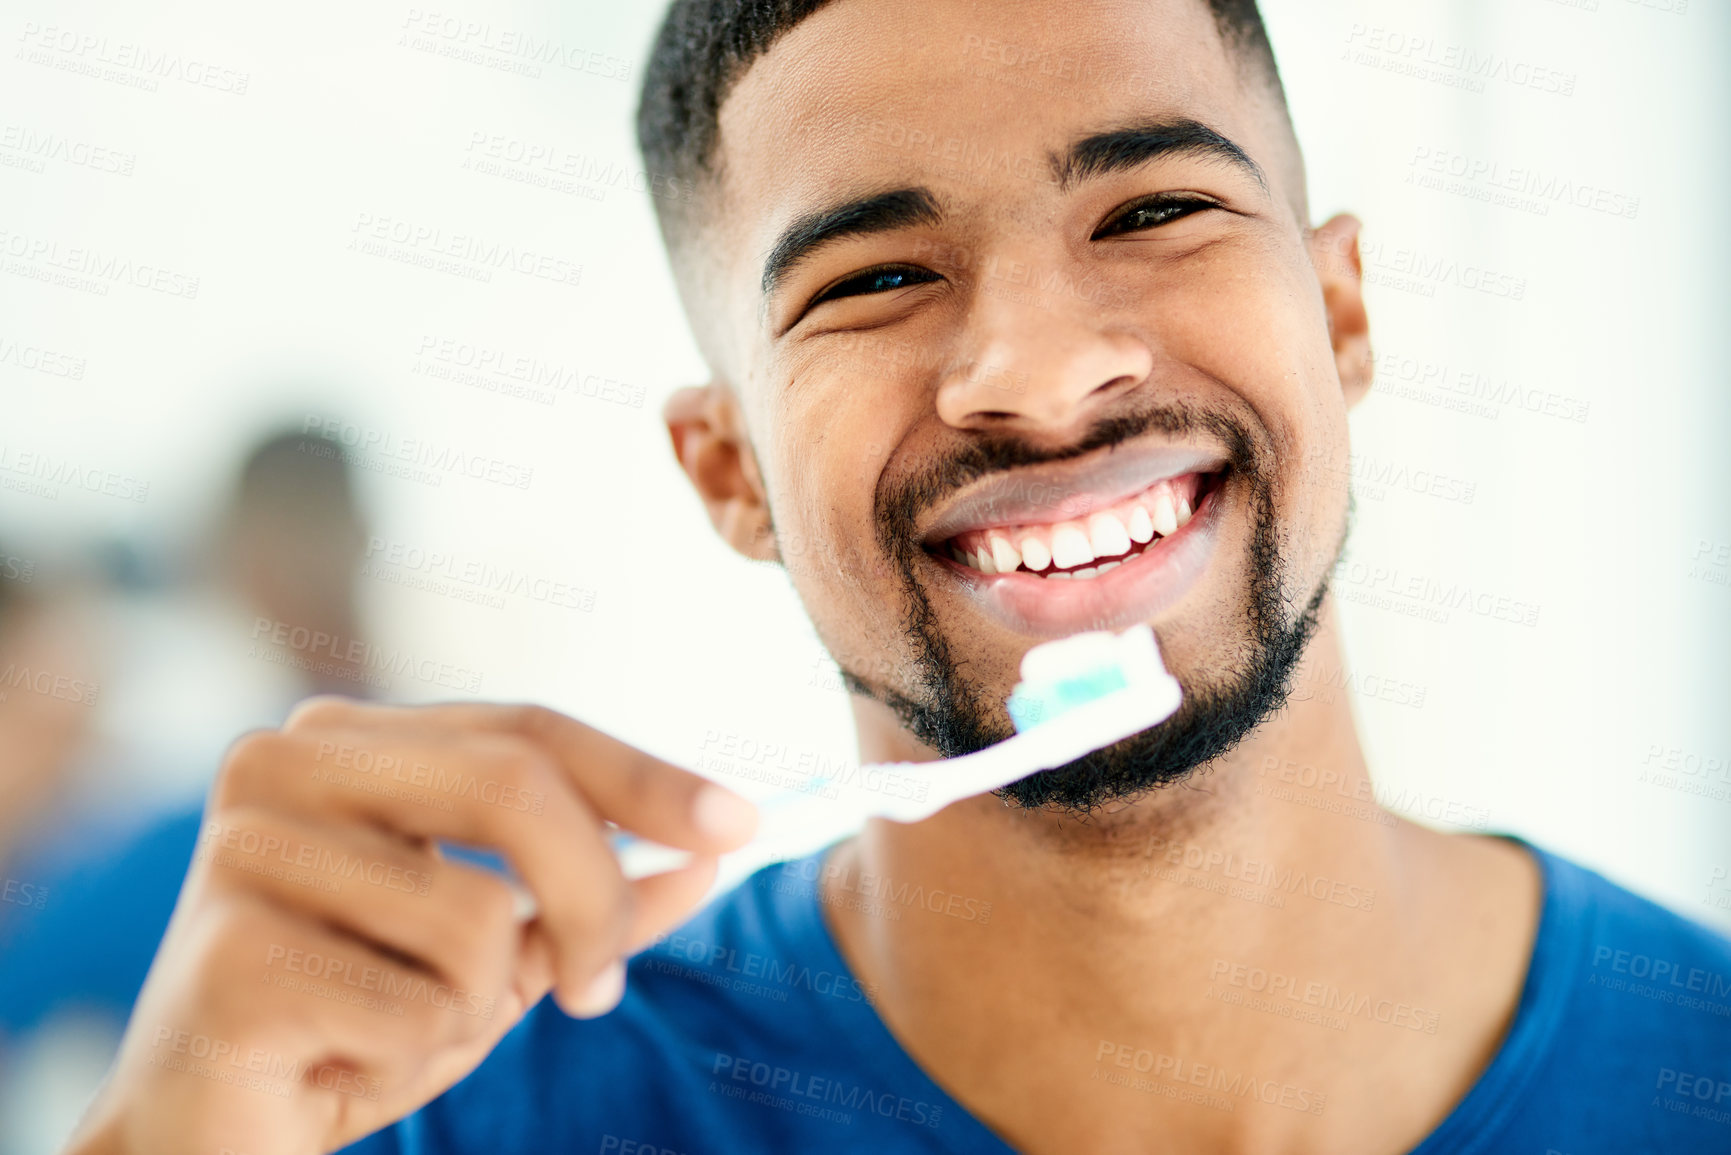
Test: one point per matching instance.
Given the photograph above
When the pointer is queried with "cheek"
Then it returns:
(1262, 330)
(838, 420)
(850, 591)
(830, 443)
(821, 496)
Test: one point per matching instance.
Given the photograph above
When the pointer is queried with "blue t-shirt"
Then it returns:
(87, 942)
(745, 1033)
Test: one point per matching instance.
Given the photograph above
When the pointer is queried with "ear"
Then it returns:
(1334, 253)
(708, 432)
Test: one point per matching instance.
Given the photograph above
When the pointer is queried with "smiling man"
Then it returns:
(1018, 327)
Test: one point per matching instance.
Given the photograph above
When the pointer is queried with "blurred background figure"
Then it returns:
(47, 694)
(100, 808)
(291, 545)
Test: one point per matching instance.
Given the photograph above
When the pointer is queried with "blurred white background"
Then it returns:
(1541, 183)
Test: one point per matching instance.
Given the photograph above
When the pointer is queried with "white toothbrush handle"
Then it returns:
(780, 816)
(1079, 731)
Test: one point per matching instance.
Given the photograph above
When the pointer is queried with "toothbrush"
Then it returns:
(1076, 695)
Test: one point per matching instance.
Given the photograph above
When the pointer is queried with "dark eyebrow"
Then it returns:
(1092, 156)
(873, 214)
(1122, 148)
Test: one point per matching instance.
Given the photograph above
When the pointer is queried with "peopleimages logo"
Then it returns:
(751, 965)
(43, 474)
(361, 657)
(1328, 997)
(467, 253)
(253, 1068)
(1691, 980)
(20, 893)
(379, 981)
(1232, 1086)
(1661, 980)
(104, 268)
(805, 1093)
(139, 65)
(352, 765)
(220, 841)
(475, 579)
(482, 42)
(1258, 873)
(61, 687)
(40, 360)
(415, 458)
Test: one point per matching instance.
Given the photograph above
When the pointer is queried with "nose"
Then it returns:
(1035, 363)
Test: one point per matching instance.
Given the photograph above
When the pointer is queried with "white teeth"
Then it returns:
(1106, 536)
(1059, 577)
(1004, 556)
(1070, 546)
(1141, 528)
(1035, 555)
(1165, 517)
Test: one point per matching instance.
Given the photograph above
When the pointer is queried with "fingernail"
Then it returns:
(723, 814)
(523, 903)
(602, 994)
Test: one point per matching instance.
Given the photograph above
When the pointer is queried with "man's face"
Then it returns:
(1069, 318)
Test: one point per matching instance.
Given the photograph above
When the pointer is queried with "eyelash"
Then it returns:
(1168, 207)
(835, 291)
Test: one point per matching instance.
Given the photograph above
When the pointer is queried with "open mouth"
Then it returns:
(1084, 548)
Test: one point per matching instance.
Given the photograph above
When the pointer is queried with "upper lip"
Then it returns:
(1064, 490)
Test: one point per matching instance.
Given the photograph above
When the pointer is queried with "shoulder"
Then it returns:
(1620, 1036)
(1635, 1000)
(1649, 950)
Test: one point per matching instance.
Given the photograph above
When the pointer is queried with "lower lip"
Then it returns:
(1138, 590)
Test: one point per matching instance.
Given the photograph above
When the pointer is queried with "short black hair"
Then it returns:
(705, 46)
(297, 474)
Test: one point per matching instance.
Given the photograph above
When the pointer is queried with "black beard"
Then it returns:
(955, 715)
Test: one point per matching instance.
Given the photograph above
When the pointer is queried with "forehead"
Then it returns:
(967, 97)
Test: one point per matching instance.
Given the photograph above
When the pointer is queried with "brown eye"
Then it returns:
(1149, 214)
(879, 280)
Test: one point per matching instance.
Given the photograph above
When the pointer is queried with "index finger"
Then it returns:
(627, 786)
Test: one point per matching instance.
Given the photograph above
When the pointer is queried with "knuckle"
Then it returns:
(230, 837)
(224, 822)
(251, 750)
(240, 936)
(647, 782)
(486, 938)
(250, 754)
(604, 920)
(529, 718)
(493, 908)
(516, 763)
(320, 710)
(649, 785)
(445, 1024)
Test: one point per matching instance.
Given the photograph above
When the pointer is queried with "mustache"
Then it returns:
(899, 502)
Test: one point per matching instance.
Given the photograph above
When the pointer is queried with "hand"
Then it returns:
(327, 971)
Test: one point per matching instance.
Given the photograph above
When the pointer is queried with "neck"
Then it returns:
(1143, 932)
